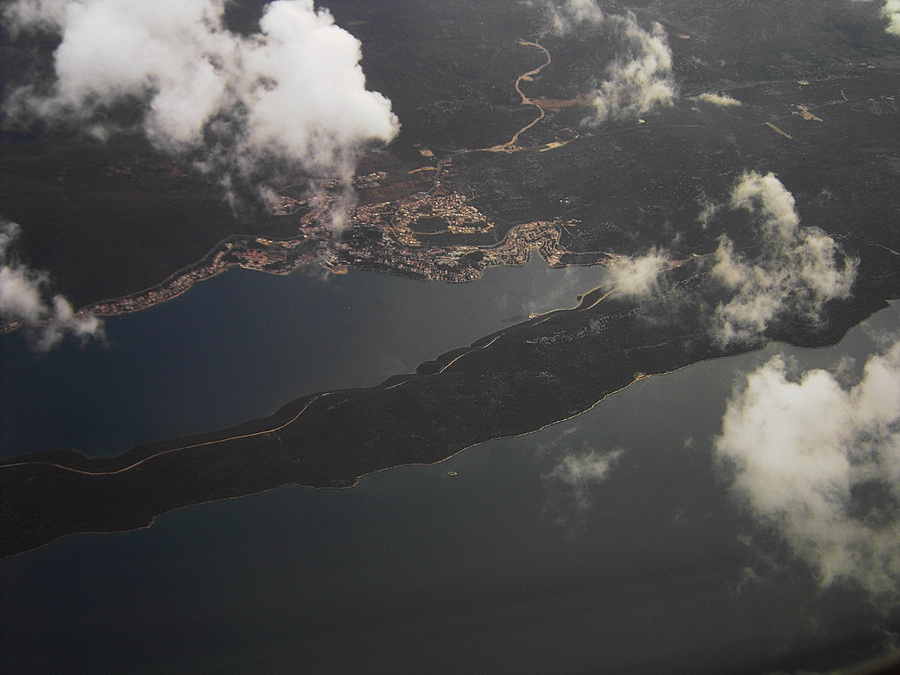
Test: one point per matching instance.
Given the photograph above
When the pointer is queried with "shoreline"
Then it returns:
(417, 420)
(256, 253)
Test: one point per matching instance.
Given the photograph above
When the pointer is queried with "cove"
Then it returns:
(240, 345)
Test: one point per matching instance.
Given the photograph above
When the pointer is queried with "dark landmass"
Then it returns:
(516, 381)
(817, 83)
(439, 205)
(108, 220)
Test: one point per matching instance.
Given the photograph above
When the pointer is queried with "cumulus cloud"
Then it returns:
(795, 271)
(718, 100)
(293, 93)
(573, 469)
(891, 11)
(578, 468)
(24, 298)
(820, 461)
(637, 277)
(708, 210)
(581, 470)
(640, 78)
(568, 14)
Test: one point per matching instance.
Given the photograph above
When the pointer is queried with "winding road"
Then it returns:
(503, 147)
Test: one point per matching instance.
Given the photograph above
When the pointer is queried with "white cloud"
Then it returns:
(891, 11)
(708, 210)
(579, 470)
(767, 195)
(45, 15)
(24, 297)
(718, 100)
(568, 14)
(640, 79)
(821, 463)
(637, 277)
(294, 92)
(315, 104)
(795, 271)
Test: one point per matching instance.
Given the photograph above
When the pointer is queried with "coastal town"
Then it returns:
(394, 216)
(384, 236)
(400, 217)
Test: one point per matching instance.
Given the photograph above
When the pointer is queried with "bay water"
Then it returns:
(497, 568)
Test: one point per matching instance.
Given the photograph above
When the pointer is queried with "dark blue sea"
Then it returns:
(241, 345)
(498, 569)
